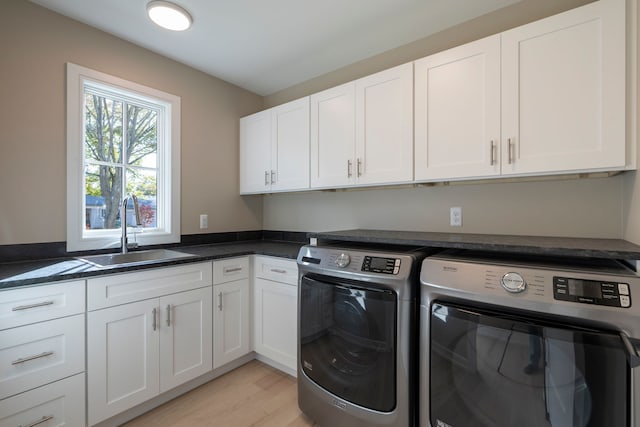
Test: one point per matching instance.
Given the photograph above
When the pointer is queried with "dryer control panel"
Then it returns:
(597, 292)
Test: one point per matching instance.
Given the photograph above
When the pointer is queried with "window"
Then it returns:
(122, 138)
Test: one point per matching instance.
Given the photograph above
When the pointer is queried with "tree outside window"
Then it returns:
(120, 146)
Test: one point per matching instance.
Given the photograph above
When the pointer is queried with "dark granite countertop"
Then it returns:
(535, 245)
(25, 273)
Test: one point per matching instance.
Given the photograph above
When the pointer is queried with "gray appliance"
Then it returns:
(357, 331)
(525, 341)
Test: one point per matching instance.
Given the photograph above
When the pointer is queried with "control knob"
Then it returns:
(513, 282)
(343, 260)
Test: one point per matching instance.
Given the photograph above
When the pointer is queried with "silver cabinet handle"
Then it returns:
(278, 270)
(228, 270)
(40, 421)
(349, 165)
(30, 358)
(168, 314)
(510, 150)
(493, 152)
(266, 177)
(359, 167)
(29, 306)
(153, 322)
(219, 301)
(273, 179)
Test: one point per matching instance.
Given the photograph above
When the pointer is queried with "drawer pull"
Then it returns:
(30, 358)
(278, 270)
(40, 421)
(228, 270)
(27, 307)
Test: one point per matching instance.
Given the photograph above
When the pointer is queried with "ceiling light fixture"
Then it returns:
(169, 15)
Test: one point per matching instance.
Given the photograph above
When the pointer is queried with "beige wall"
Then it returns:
(606, 208)
(36, 44)
(577, 208)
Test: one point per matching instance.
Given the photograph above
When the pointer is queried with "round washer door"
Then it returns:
(348, 341)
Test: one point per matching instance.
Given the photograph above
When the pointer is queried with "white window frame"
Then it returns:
(169, 163)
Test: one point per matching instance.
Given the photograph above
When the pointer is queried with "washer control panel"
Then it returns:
(376, 264)
(596, 292)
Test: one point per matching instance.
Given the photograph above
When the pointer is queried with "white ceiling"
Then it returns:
(268, 45)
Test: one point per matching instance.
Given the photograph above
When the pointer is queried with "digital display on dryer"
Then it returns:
(381, 265)
(584, 288)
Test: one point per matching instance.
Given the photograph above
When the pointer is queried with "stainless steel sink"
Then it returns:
(133, 258)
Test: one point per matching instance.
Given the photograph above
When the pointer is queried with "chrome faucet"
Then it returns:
(123, 215)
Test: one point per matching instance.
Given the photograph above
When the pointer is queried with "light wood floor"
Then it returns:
(252, 395)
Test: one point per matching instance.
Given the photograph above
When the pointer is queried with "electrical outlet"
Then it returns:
(204, 221)
(455, 217)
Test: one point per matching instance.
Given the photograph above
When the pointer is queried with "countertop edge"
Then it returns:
(534, 245)
(78, 270)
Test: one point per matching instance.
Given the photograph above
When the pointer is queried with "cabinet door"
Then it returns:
(230, 322)
(457, 120)
(384, 126)
(185, 336)
(290, 146)
(255, 153)
(563, 93)
(122, 358)
(333, 137)
(275, 326)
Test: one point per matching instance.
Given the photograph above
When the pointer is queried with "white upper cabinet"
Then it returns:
(274, 149)
(384, 127)
(362, 131)
(457, 112)
(333, 137)
(544, 98)
(290, 146)
(563, 92)
(255, 153)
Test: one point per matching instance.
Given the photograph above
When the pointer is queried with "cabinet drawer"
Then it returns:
(33, 355)
(23, 306)
(119, 289)
(228, 270)
(276, 269)
(57, 404)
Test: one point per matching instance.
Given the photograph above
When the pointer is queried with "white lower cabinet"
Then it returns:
(123, 358)
(231, 311)
(230, 321)
(140, 349)
(185, 337)
(42, 363)
(59, 404)
(276, 310)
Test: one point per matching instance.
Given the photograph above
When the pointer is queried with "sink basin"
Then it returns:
(134, 258)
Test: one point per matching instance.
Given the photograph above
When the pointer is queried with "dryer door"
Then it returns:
(488, 368)
(348, 340)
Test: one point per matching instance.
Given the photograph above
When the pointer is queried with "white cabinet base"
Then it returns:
(276, 330)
